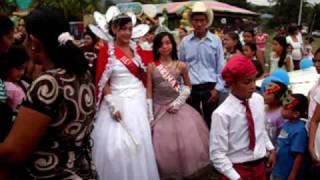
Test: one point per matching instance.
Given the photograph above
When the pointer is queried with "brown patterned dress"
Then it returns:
(64, 152)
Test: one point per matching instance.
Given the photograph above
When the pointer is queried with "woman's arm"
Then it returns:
(185, 74)
(288, 64)
(149, 80)
(28, 130)
(312, 132)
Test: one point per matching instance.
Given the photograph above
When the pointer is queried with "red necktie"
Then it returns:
(252, 138)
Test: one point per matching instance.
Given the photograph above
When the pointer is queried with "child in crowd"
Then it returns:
(249, 37)
(292, 140)
(289, 55)
(232, 45)
(13, 69)
(307, 48)
(278, 56)
(250, 50)
(238, 138)
(273, 96)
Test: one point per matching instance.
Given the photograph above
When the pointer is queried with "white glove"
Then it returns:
(150, 110)
(181, 99)
(111, 104)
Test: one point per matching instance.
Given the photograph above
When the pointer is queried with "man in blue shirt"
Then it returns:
(202, 51)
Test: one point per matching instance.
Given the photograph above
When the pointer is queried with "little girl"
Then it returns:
(14, 65)
(273, 96)
(289, 55)
(292, 141)
(180, 135)
(232, 45)
(250, 51)
(279, 57)
(307, 48)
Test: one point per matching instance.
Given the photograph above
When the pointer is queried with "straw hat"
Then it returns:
(200, 7)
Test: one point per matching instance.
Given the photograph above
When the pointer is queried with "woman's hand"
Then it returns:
(172, 110)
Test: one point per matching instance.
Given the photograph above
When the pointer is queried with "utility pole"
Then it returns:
(300, 12)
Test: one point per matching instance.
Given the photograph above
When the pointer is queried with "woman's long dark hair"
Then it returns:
(6, 25)
(157, 43)
(47, 24)
(283, 42)
(234, 36)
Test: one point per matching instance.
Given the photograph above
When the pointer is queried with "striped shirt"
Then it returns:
(3, 97)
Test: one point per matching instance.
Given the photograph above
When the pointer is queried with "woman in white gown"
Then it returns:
(122, 147)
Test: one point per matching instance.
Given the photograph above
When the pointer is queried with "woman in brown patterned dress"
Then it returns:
(50, 138)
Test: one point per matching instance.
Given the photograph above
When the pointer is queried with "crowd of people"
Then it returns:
(161, 107)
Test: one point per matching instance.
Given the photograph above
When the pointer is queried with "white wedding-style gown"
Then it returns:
(123, 151)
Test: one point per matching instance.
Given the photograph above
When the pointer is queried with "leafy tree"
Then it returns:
(73, 9)
(7, 7)
(239, 3)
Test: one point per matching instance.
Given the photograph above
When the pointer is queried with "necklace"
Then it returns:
(167, 65)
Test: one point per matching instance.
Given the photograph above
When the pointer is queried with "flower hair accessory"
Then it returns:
(64, 38)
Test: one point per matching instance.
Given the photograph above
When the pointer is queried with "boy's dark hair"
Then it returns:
(302, 106)
(252, 46)
(249, 30)
(14, 58)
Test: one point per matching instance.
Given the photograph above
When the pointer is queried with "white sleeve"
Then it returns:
(268, 143)
(219, 144)
(317, 97)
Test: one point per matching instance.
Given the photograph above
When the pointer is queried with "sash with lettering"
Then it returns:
(129, 64)
(167, 76)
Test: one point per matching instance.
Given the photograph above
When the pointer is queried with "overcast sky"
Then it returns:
(265, 2)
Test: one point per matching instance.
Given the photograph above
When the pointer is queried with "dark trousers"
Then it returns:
(198, 99)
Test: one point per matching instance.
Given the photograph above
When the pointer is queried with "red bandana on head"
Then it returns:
(272, 88)
(238, 67)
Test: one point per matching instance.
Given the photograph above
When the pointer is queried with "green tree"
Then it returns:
(7, 6)
(73, 9)
(239, 3)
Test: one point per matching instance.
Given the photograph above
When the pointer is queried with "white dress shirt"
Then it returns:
(229, 137)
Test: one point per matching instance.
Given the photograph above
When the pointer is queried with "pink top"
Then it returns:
(15, 95)
(261, 41)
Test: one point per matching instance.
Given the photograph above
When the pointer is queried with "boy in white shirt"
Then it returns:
(238, 139)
